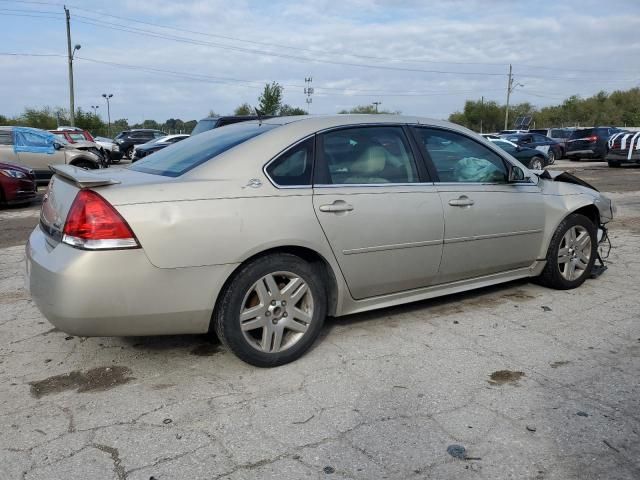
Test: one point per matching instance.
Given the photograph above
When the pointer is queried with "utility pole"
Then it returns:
(72, 111)
(509, 88)
(107, 97)
(376, 104)
(481, 111)
(308, 91)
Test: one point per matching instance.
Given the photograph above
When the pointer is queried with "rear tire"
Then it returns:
(272, 310)
(613, 164)
(572, 252)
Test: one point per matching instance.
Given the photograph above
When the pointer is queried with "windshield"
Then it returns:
(181, 157)
(204, 125)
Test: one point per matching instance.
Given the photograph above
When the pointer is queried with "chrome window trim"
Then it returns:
(350, 185)
(277, 155)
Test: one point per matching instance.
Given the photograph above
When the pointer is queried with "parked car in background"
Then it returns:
(549, 147)
(79, 141)
(128, 139)
(210, 123)
(36, 149)
(530, 157)
(560, 135)
(623, 147)
(110, 147)
(590, 142)
(76, 130)
(148, 148)
(196, 236)
(17, 184)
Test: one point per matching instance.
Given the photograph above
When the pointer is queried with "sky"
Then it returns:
(183, 58)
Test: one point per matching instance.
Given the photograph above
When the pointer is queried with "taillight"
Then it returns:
(592, 138)
(93, 224)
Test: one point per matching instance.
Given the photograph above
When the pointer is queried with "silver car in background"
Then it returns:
(259, 230)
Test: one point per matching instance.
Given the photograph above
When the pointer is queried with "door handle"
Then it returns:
(337, 207)
(462, 201)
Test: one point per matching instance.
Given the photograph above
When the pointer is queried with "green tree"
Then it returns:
(288, 110)
(270, 101)
(368, 109)
(243, 110)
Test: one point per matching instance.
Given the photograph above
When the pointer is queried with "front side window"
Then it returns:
(183, 156)
(458, 158)
(367, 155)
(293, 167)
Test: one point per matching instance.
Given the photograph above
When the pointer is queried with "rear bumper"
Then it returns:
(624, 157)
(118, 292)
(584, 153)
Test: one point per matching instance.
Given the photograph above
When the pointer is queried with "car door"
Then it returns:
(7, 154)
(491, 225)
(37, 150)
(543, 144)
(380, 213)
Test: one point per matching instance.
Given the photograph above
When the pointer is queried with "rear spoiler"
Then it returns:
(81, 177)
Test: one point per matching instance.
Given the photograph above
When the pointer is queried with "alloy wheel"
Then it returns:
(276, 312)
(552, 157)
(536, 164)
(574, 253)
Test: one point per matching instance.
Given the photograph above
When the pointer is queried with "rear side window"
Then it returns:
(293, 167)
(186, 155)
(583, 133)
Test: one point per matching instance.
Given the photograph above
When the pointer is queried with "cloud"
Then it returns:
(553, 48)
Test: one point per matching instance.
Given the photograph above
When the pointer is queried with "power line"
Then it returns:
(316, 51)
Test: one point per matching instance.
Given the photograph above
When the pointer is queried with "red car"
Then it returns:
(17, 184)
(73, 136)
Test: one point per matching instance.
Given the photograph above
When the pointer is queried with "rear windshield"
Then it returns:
(583, 133)
(181, 157)
(559, 133)
(204, 125)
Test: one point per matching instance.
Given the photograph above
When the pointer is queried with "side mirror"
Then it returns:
(57, 146)
(516, 174)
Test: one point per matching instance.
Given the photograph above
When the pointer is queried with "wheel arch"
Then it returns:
(82, 158)
(309, 255)
(588, 209)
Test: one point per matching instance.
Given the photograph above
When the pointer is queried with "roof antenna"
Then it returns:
(260, 115)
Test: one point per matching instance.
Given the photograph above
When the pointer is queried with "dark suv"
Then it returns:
(590, 142)
(128, 139)
(216, 122)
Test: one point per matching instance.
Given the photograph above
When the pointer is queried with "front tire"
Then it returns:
(129, 153)
(551, 157)
(272, 310)
(536, 163)
(571, 254)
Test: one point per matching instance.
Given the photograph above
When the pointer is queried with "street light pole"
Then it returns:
(95, 109)
(72, 113)
(376, 104)
(107, 97)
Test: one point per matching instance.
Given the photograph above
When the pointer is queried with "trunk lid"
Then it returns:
(68, 180)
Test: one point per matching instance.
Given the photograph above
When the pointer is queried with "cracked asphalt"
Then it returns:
(533, 383)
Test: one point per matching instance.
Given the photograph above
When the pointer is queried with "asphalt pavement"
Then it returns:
(514, 381)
